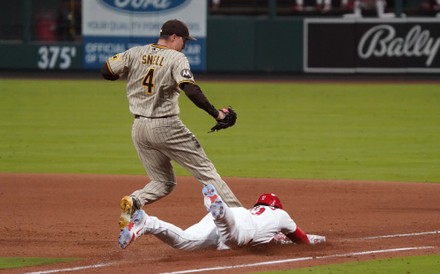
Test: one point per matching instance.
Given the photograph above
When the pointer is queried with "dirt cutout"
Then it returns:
(46, 215)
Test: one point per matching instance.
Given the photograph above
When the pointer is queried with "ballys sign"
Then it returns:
(144, 6)
(384, 41)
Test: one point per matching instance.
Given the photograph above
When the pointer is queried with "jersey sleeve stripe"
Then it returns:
(110, 68)
(186, 81)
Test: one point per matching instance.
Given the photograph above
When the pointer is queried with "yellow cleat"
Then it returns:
(127, 209)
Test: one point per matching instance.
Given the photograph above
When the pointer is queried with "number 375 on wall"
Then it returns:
(55, 57)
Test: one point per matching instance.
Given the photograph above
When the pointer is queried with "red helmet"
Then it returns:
(269, 199)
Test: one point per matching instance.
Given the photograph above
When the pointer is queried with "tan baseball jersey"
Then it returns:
(154, 75)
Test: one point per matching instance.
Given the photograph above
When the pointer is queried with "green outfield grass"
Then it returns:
(15, 262)
(406, 265)
(386, 132)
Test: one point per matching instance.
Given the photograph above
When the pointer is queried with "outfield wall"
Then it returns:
(289, 45)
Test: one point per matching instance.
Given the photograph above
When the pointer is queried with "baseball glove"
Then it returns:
(228, 121)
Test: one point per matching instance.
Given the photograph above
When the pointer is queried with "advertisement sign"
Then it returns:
(112, 26)
(372, 45)
(46, 57)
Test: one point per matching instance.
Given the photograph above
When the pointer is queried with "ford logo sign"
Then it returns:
(144, 6)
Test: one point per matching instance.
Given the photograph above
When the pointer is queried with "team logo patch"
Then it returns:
(186, 73)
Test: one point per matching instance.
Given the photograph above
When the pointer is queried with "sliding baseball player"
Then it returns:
(224, 227)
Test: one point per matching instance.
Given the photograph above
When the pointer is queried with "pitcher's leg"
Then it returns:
(161, 174)
(204, 171)
(226, 193)
(189, 153)
(157, 165)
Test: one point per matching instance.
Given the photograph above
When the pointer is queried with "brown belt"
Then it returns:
(137, 116)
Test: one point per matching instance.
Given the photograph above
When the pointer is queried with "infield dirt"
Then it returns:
(48, 215)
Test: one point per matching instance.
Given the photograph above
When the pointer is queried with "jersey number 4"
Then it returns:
(148, 81)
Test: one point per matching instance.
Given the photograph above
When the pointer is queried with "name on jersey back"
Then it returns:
(152, 59)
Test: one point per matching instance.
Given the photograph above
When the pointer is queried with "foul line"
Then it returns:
(301, 259)
(274, 262)
(71, 269)
(402, 235)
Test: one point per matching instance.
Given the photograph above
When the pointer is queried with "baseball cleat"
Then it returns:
(217, 209)
(134, 229)
(128, 205)
(315, 239)
(213, 202)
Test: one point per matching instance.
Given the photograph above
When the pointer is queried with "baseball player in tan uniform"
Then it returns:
(224, 227)
(156, 73)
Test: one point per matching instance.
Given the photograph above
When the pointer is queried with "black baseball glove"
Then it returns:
(228, 121)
